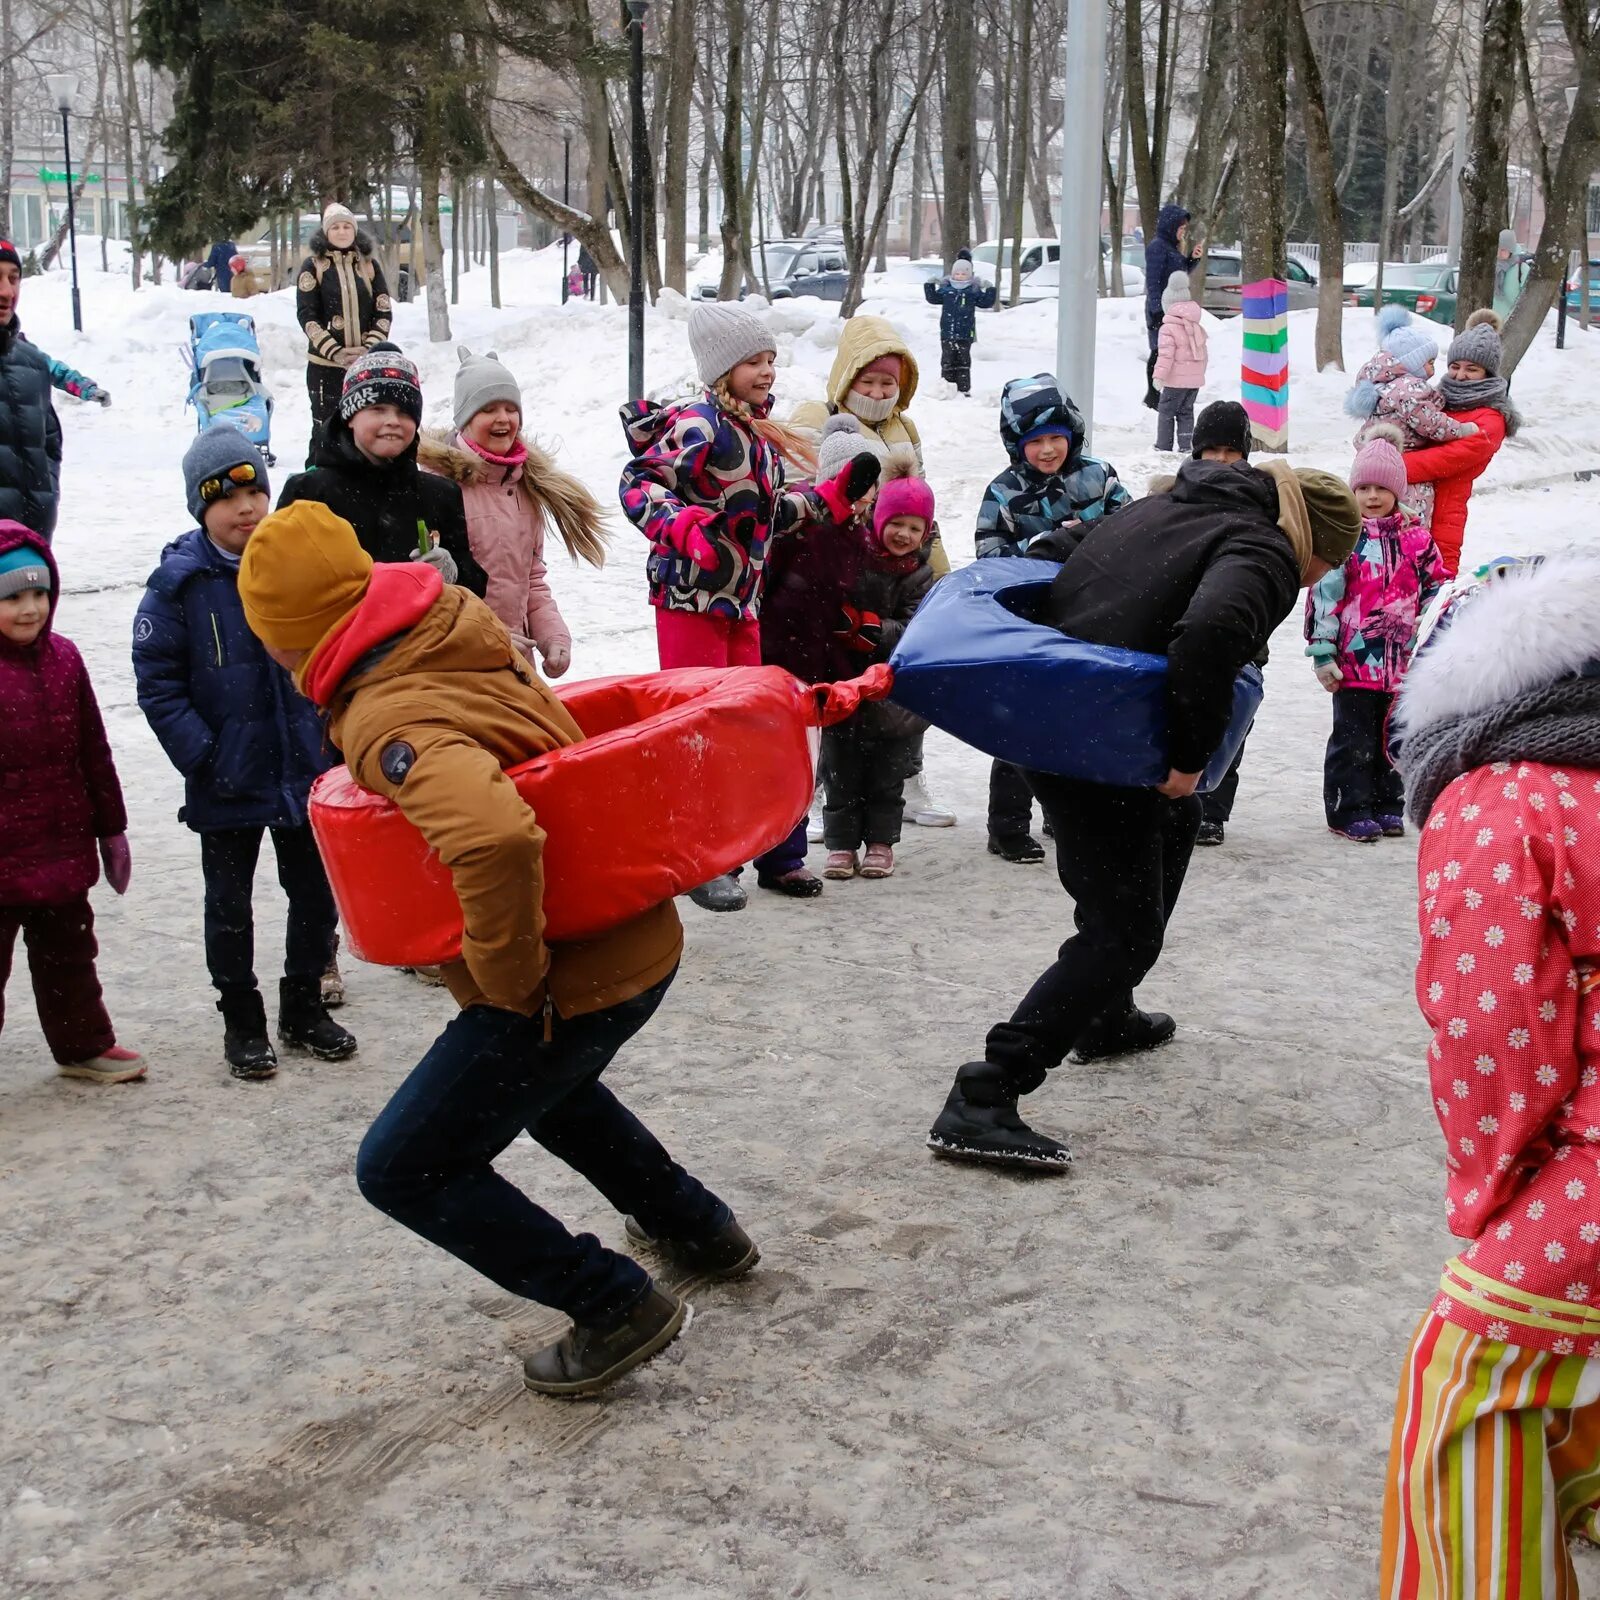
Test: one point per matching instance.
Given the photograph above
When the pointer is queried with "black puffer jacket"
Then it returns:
(385, 503)
(341, 299)
(30, 435)
(893, 597)
(1201, 575)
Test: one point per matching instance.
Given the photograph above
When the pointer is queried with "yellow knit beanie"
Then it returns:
(303, 571)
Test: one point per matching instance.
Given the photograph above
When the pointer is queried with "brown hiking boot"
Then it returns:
(589, 1359)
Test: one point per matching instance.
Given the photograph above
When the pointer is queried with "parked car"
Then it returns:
(1573, 285)
(1427, 288)
(1224, 286)
(1044, 282)
(992, 261)
(794, 267)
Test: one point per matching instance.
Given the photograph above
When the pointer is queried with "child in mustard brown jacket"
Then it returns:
(429, 701)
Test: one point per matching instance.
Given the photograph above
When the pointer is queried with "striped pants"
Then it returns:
(1495, 1461)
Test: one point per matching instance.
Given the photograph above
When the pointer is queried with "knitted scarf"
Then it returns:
(518, 455)
(1493, 393)
(1558, 723)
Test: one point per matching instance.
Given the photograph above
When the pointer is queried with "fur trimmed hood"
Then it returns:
(319, 246)
(1531, 628)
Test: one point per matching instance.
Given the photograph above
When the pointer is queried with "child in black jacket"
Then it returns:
(367, 473)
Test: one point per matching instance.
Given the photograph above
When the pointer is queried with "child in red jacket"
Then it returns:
(61, 815)
(1496, 1448)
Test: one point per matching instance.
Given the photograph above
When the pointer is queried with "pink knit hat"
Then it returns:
(1379, 462)
(902, 494)
(891, 365)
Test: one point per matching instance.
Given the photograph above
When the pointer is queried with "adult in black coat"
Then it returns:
(1202, 576)
(30, 432)
(380, 490)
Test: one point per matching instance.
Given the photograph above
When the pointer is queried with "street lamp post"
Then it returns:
(636, 11)
(1084, 88)
(64, 87)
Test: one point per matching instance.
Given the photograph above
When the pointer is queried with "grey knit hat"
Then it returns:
(1177, 289)
(721, 335)
(212, 454)
(480, 381)
(843, 439)
(1479, 342)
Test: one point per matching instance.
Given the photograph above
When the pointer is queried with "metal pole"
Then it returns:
(636, 11)
(72, 225)
(1084, 89)
(1561, 311)
(566, 200)
(1458, 161)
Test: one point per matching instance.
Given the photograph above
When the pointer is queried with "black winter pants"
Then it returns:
(1152, 324)
(1217, 804)
(1358, 779)
(1010, 801)
(955, 363)
(228, 860)
(1122, 855)
(1175, 413)
(864, 783)
(324, 385)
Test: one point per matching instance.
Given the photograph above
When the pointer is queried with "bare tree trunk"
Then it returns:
(675, 155)
(919, 158)
(8, 110)
(1021, 124)
(1263, 73)
(734, 234)
(1485, 197)
(455, 241)
(1324, 193)
(959, 127)
(1144, 167)
(1566, 205)
(433, 247)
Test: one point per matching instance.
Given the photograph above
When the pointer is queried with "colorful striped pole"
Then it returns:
(1264, 376)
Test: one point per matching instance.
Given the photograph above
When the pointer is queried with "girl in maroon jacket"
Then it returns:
(61, 816)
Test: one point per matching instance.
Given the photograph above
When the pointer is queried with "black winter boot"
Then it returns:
(1021, 848)
(1124, 1035)
(244, 1039)
(980, 1123)
(587, 1359)
(730, 1252)
(304, 1023)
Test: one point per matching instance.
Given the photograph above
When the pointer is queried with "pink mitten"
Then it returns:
(118, 861)
(686, 535)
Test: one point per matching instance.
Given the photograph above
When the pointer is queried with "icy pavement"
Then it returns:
(1169, 1374)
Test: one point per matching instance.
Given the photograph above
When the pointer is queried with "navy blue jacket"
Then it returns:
(229, 718)
(1163, 256)
(958, 322)
(222, 253)
(30, 435)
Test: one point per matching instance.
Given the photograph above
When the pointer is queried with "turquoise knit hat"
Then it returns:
(23, 568)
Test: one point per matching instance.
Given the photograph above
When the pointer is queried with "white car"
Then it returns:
(1044, 282)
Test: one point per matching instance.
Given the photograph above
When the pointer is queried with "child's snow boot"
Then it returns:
(1125, 1034)
(1022, 848)
(333, 980)
(587, 1359)
(980, 1123)
(730, 1252)
(1211, 833)
(840, 865)
(304, 1023)
(116, 1065)
(800, 884)
(244, 1039)
(723, 893)
(1393, 827)
(1362, 831)
(878, 861)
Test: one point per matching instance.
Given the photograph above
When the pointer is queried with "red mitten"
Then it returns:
(118, 859)
(686, 535)
(840, 493)
(860, 630)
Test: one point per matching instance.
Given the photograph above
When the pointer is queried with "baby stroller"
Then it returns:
(225, 376)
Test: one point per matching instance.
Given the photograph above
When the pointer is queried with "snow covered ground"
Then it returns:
(1170, 1374)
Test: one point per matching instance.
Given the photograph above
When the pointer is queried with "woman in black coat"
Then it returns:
(343, 305)
(30, 434)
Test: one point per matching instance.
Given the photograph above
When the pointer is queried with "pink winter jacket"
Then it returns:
(1181, 352)
(506, 529)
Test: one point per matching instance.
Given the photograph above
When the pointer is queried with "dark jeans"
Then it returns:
(323, 385)
(789, 856)
(955, 363)
(228, 860)
(66, 989)
(1122, 855)
(1010, 801)
(864, 781)
(1358, 779)
(428, 1161)
(1216, 805)
(1152, 323)
(1176, 412)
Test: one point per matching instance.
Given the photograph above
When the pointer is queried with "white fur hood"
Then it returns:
(1531, 628)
